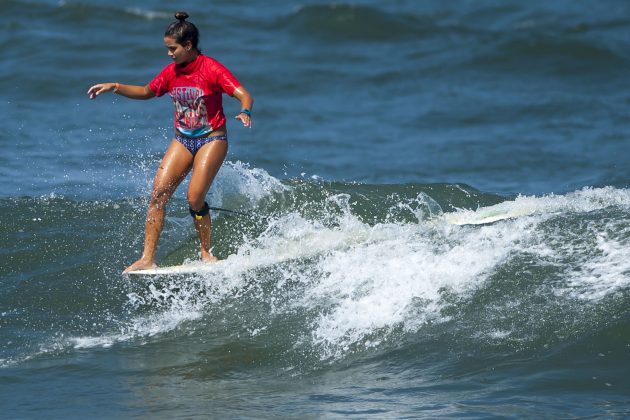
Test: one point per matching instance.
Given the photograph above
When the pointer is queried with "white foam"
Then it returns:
(378, 285)
(148, 14)
(236, 181)
(102, 341)
(582, 201)
(602, 275)
(375, 284)
(141, 327)
(364, 281)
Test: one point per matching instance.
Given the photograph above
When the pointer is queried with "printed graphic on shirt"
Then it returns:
(191, 115)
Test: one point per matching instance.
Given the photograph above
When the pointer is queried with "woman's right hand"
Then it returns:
(97, 89)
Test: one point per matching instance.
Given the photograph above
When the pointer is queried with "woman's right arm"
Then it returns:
(130, 91)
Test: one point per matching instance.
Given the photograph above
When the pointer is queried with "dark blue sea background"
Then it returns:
(434, 199)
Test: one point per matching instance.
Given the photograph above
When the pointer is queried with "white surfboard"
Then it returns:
(491, 214)
(191, 268)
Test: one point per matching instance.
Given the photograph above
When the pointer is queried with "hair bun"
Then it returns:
(181, 16)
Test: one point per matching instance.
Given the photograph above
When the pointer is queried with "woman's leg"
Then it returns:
(207, 163)
(175, 164)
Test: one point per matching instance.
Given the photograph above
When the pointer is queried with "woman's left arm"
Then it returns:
(246, 106)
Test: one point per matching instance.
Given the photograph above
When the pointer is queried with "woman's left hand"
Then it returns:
(246, 106)
(245, 119)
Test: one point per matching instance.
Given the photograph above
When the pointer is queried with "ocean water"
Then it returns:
(344, 290)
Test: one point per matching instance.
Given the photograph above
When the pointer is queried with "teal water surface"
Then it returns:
(344, 290)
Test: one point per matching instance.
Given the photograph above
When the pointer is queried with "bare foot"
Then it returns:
(208, 257)
(141, 264)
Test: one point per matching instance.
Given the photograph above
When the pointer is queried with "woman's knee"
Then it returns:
(160, 196)
(195, 200)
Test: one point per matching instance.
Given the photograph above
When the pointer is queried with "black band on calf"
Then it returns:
(199, 214)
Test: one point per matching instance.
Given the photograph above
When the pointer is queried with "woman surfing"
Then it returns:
(196, 83)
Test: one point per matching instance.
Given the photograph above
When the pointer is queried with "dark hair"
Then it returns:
(182, 31)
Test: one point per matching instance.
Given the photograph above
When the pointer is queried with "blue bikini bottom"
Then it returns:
(193, 144)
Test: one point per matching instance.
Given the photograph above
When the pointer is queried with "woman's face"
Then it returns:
(181, 54)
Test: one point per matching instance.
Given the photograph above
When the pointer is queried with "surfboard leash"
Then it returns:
(240, 213)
